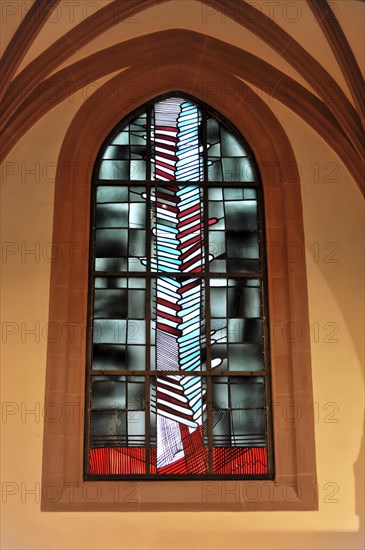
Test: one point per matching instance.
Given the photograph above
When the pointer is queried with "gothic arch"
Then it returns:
(288, 303)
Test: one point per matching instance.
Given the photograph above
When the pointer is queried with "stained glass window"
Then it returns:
(178, 373)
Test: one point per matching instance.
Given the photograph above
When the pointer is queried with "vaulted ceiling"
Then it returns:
(307, 55)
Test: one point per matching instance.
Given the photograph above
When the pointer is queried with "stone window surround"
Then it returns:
(294, 487)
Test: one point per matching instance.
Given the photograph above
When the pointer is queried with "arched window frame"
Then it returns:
(203, 183)
(295, 482)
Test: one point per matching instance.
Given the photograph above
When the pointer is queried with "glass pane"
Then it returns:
(241, 215)
(244, 330)
(245, 357)
(108, 428)
(114, 170)
(122, 138)
(108, 394)
(118, 357)
(137, 215)
(111, 264)
(230, 145)
(111, 194)
(243, 301)
(136, 332)
(215, 194)
(217, 245)
(109, 332)
(242, 244)
(215, 172)
(110, 304)
(118, 152)
(109, 357)
(136, 304)
(111, 242)
(110, 282)
(218, 301)
(112, 215)
(138, 170)
(233, 169)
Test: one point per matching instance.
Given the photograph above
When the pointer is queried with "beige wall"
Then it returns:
(333, 223)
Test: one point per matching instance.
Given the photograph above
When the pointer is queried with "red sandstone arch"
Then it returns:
(176, 49)
(288, 303)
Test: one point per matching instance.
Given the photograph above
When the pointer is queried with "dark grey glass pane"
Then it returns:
(244, 302)
(136, 194)
(153, 356)
(137, 282)
(109, 332)
(213, 135)
(112, 215)
(218, 266)
(137, 126)
(243, 266)
(245, 357)
(109, 357)
(114, 170)
(221, 428)
(138, 152)
(137, 243)
(247, 171)
(136, 358)
(111, 242)
(111, 194)
(137, 215)
(247, 393)
(215, 170)
(217, 244)
(136, 398)
(214, 150)
(246, 282)
(136, 332)
(108, 394)
(139, 122)
(111, 264)
(219, 328)
(216, 210)
(108, 428)
(122, 138)
(136, 304)
(230, 145)
(218, 302)
(220, 395)
(138, 170)
(244, 330)
(118, 357)
(250, 193)
(110, 282)
(215, 194)
(241, 215)
(233, 193)
(219, 351)
(233, 169)
(111, 304)
(116, 152)
(248, 428)
(137, 139)
(134, 264)
(242, 244)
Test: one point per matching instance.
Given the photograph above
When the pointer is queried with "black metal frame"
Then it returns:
(205, 275)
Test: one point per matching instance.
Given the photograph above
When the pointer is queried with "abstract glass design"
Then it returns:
(178, 373)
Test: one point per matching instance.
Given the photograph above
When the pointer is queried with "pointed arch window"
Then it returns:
(178, 374)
